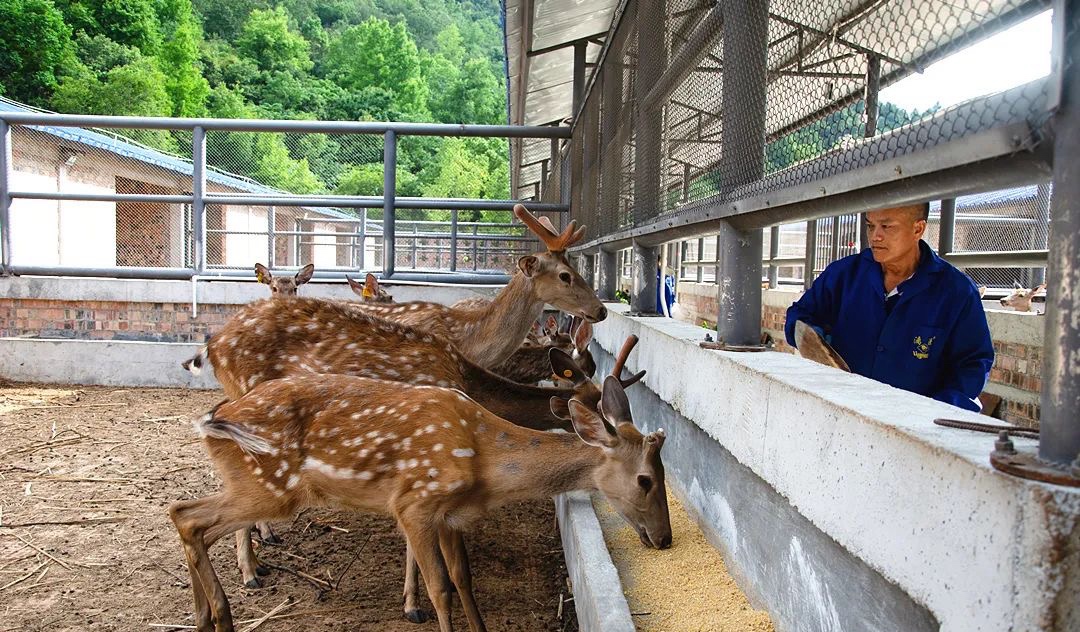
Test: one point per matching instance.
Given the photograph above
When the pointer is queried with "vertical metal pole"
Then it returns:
(7, 171)
(543, 178)
(453, 240)
(648, 151)
(685, 196)
(1042, 198)
(870, 111)
(774, 252)
(271, 218)
(834, 246)
(811, 254)
(700, 258)
(947, 226)
(1059, 434)
(415, 244)
(579, 77)
(475, 247)
(608, 273)
(363, 238)
(198, 194)
(745, 42)
(389, 195)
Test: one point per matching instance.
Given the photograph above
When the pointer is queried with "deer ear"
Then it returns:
(590, 427)
(560, 407)
(583, 335)
(552, 325)
(355, 286)
(536, 329)
(304, 275)
(371, 286)
(529, 264)
(614, 405)
(262, 274)
(564, 367)
(1016, 285)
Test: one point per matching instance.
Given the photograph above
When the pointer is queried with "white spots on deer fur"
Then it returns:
(432, 472)
(417, 484)
(363, 453)
(233, 342)
(279, 367)
(454, 485)
(464, 424)
(446, 424)
(293, 481)
(478, 413)
(294, 358)
(428, 339)
(433, 485)
(423, 493)
(380, 410)
(351, 346)
(372, 434)
(414, 307)
(430, 428)
(292, 329)
(463, 453)
(437, 447)
(326, 469)
(313, 325)
(257, 471)
(481, 427)
(442, 383)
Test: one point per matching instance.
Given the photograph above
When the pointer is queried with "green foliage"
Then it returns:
(389, 62)
(36, 49)
(266, 38)
(179, 59)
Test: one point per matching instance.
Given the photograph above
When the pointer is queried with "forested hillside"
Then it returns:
(380, 60)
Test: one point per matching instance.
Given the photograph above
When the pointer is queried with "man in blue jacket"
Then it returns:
(899, 314)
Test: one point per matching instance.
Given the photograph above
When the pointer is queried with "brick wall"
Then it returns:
(110, 320)
(1016, 375)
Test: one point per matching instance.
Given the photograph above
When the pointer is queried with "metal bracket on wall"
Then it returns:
(1024, 464)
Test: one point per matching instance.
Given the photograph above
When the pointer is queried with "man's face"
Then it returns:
(894, 233)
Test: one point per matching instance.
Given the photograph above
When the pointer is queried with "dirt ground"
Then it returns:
(86, 474)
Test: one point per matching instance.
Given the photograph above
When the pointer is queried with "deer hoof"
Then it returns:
(262, 570)
(417, 616)
(254, 582)
(272, 538)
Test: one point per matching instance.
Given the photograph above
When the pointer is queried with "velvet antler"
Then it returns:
(554, 242)
(620, 361)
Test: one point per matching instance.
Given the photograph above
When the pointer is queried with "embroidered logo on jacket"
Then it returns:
(922, 349)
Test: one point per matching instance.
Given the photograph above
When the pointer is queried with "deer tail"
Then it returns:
(196, 362)
(210, 427)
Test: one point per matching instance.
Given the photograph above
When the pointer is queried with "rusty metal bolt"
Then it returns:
(1004, 444)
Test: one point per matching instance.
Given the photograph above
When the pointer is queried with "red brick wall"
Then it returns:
(111, 320)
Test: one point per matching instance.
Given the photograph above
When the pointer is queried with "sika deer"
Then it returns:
(489, 334)
(370, 291)
(313, 336)
(432, 458)
(1020, 299)
(284, 286)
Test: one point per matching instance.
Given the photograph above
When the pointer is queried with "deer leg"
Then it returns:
(267, 534)
(452, 544)
(192, 519)
(413, 612)
(246, 560)
(424, 542)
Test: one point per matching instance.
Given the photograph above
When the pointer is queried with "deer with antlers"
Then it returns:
(284, 286)
(314, 336)
(430, 457)
(489, 334)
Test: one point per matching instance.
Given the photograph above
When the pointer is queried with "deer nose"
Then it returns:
(600, 314)
(665, 542)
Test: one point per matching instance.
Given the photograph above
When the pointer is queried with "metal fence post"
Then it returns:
(453, 240)
(811, 254)
(774, 252)
(7, 169)
(198, 194)
(608, 271)
(1059, 435)
(647, 157)
(947, 226)
(271, 219)
(363, 237)
(745, 43)
(389, 193)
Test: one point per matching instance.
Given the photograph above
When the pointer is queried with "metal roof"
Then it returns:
(135, 151)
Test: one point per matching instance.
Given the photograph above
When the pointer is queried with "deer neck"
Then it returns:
(521, 404)
(521, 464)
(497, 330)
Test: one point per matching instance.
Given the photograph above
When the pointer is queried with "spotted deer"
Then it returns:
(1021, 297)
(369, 291)
(284, 286)
(270, 339)
(432, 458)
(488, 334)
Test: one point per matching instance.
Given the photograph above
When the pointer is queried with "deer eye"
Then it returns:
(645, 482)
(565, 277)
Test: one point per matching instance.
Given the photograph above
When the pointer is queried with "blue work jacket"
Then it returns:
(935, 342)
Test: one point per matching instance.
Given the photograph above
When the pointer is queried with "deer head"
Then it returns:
(555, 281)
(369, 291)
(632, 474)
(1020, 299)
(284, 286)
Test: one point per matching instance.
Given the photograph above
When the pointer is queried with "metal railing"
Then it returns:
(200, 199)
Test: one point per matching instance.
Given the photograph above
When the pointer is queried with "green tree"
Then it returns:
(101, 54)
(36, 49)
(367, 179)
(179, 59)
(377, 55)
(267, 39)
(130, 22)
(274, 167)
(474, 97)
(225, 19)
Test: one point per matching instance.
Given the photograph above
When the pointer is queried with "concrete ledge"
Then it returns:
(598, 595)
(863, 462)
(105, 362)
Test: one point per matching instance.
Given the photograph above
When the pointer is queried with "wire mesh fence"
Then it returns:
(735, 100)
